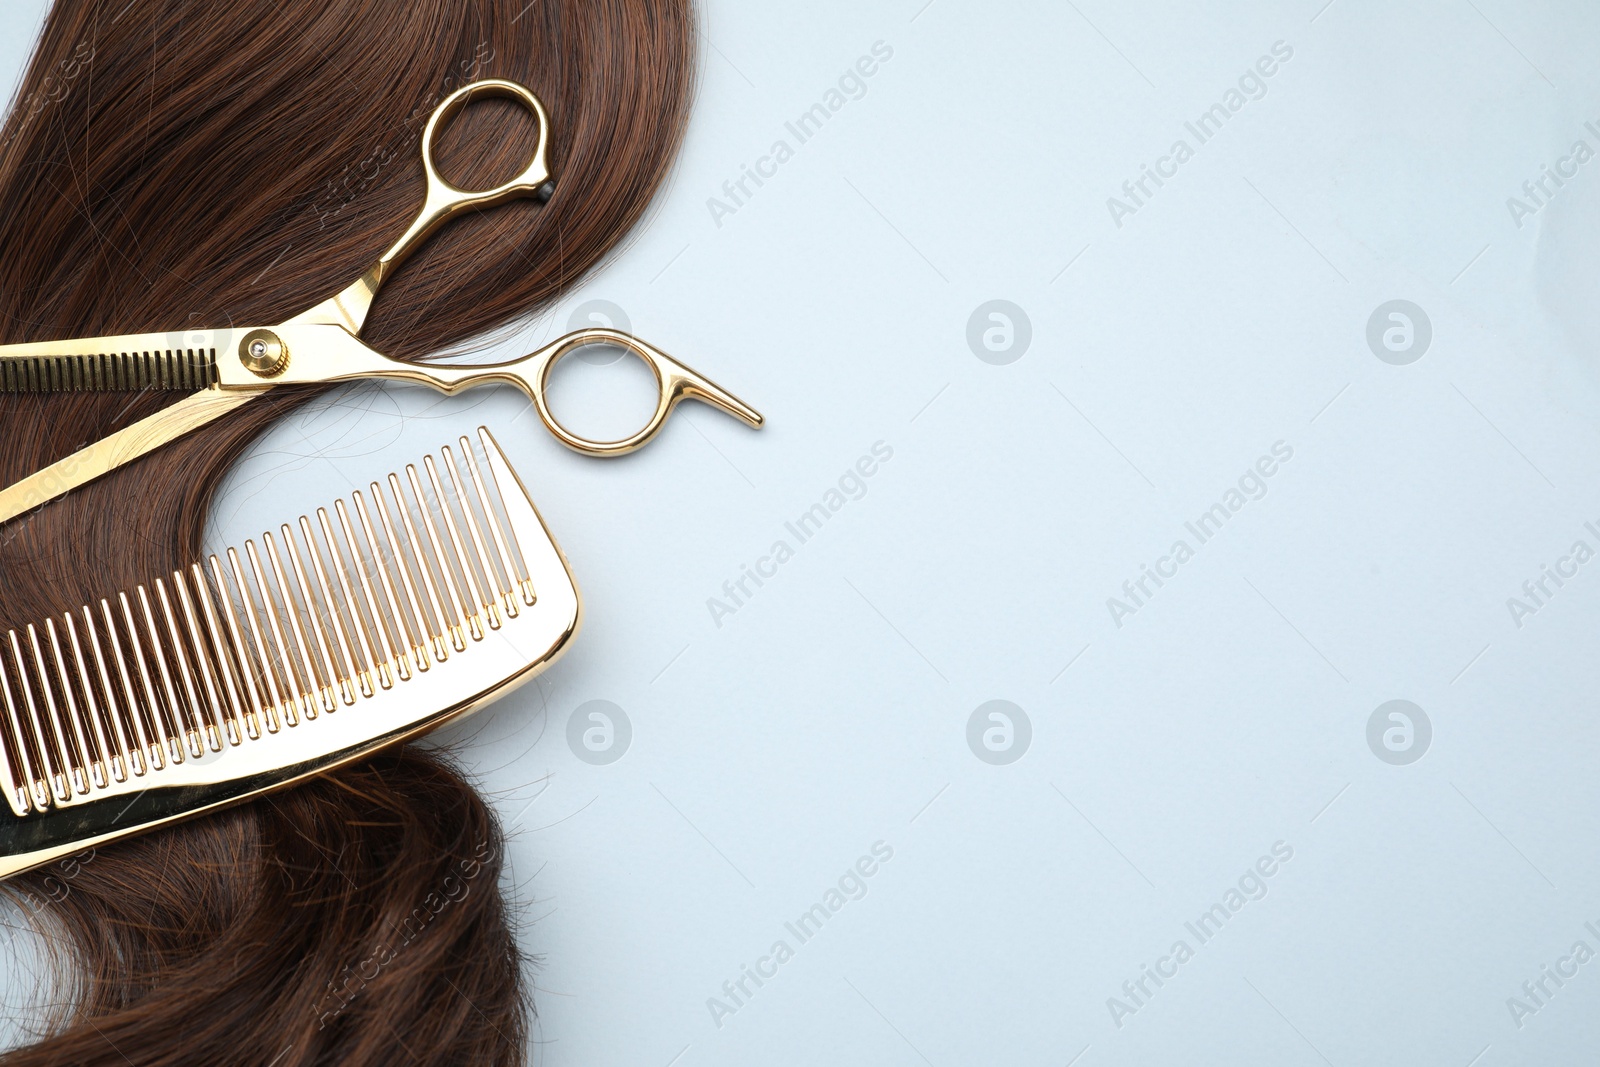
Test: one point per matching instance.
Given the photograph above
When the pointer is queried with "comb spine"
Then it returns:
(123, 762)
(344, 668)
(108, 760)
(149, 752)
(268, 671)
(467, 587)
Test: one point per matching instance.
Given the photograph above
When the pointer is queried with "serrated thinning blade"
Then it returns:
(184, 361)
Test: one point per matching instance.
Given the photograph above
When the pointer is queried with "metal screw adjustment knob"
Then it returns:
(263, 353)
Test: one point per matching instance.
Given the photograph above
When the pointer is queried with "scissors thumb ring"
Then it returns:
(674, 384)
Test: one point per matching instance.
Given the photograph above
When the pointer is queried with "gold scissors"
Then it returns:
(226, 368)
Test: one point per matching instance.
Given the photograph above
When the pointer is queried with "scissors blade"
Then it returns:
(185, 360)
(117, 449)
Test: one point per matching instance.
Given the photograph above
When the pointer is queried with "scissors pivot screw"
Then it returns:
(263, 353)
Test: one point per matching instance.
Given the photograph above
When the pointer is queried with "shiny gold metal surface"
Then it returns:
(224, 368)
(255, 681)
(263, 353)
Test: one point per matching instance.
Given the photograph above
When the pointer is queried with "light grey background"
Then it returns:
(1169, 754)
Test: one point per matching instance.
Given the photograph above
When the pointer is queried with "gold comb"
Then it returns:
(424, 599)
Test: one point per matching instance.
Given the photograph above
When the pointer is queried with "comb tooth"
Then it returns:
(395, 619)
(462, 610)
(63, 747)
(378, 650)
(491, 554)
(424, 624)
(239, 655)
(344, 667)
(490, 595)
(373, 659)
(491, 449)
(36, 791)
(350, 666)
(190, 719)
(295, 704)
(322, 683)
(47, 767)
(43, 735)
(215, 714)
(120, 760)
(285, 650)
(444, 624)
(16, 797)
(85, 766)
(148, 752)
(268, 671)
(467, 586)
(161, 744)
(106, 759)
(180, 727)
(224, 657)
